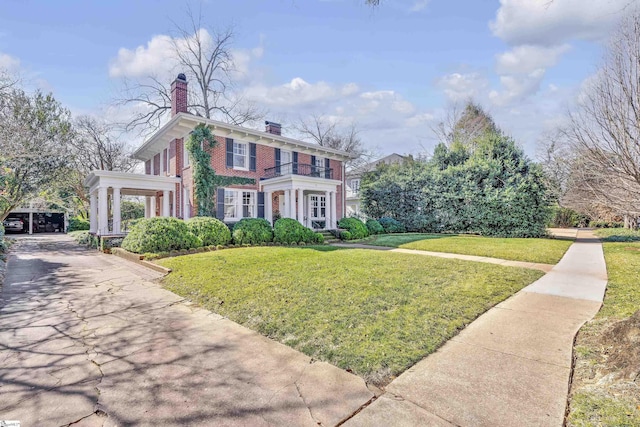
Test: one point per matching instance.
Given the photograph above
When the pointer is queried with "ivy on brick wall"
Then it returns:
(205, 180)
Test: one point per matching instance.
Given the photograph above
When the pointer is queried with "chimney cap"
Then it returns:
(268, 123)
(182, 77)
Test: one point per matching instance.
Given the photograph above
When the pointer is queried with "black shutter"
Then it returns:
(252, 157)
(327, 169)
(278, 161)
(220, 204)
(230, 152)
(260, 204)
(294, 168)
(313, 166)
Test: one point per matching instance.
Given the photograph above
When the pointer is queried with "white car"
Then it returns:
(13, 224)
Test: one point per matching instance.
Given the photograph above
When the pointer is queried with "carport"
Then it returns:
(107, 187)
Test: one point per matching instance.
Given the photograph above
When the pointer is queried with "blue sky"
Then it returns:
(394, 70)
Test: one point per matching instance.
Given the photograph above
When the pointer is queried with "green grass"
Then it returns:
(618, 234)
(546, 251)
(375, 313)
(598, 404)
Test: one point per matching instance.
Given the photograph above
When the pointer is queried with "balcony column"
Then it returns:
(117, 217)
(103, 211)
(268, 208)
(301, 206)
(165, 203)
(152, 210)
(292, 203)
(93, 213)
(334, 211)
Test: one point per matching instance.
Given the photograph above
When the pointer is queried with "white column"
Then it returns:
(327, 210)
(300, 206)
(31, 217)
(287, 201)
(292, 203)
(147, 207)
(103, 211)
(268, 208)
(165, 203)
(152, 202)
(93, 213)
(334, 211)
(117, 217)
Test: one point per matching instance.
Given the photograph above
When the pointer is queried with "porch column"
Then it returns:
(117, 217)
(301, 206)
(328, 206)
(334, 211)
(287, 200)
(292, 203)
(93, 213)
(152, 211)
(147, 207)
(165, 203)
(268, 208)
(103, 211)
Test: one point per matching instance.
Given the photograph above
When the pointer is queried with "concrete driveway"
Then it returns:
(89, 339)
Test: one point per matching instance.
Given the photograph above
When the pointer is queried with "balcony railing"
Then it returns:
(298, 169)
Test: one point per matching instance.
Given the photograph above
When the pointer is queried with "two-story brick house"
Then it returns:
(291, 178)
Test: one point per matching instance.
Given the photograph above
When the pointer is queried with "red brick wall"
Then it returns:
(337, 175)
(265, 158)
(178, 97)
(304, 159)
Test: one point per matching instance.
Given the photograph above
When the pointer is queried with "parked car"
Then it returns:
(13, 224)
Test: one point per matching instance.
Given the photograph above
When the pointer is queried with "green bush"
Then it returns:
(354, 226)
(345, 235)
(288, 231)
(211, 231)
(3, 246)
(252, 231)
(391, 225)
(78, 224)
(82, 236)
(114, 242)
(374, 227)
(607, 224)
(160, 234)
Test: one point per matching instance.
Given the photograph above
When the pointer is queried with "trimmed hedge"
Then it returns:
(355, 227)
(391, 225)
(160, 234)
(211, 231)
(78, 224)
(288, 231)
(252, 231)
(374, 227)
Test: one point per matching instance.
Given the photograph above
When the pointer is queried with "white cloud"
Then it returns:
(547, 23)
(526, 59)
(297, 92)
(9, 63)
(156, 58)
(516, 88)
(463, 86)
(419, 5)
(419, 120)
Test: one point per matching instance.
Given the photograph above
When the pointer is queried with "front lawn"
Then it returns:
(545, 251)
(618, 234)
(605, 389)
(372, 312)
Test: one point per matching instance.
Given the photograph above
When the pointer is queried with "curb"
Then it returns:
(139, 259)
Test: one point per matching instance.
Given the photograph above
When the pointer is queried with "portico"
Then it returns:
(309, 200)
(106, 189)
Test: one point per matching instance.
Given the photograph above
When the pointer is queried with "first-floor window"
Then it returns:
(318, 207)
(239, 204)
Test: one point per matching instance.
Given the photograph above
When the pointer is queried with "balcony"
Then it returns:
(298, 169)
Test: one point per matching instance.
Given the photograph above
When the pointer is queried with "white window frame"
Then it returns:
(288, 154)
(244, 156)
(238, 203)
(355, 185)
(321, 205)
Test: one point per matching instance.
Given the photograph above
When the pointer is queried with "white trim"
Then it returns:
(238, 203)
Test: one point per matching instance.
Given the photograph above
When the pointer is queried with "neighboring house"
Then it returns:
(292, 179)
(353, 179)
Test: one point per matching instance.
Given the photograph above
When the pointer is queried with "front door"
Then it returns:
(317, 211)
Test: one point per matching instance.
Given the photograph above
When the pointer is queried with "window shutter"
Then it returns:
(220, 204)
(313, 166)
(327, 169)
(252, 157)
(230, 152)
(260, 204)
(295, 162)
(278, 161)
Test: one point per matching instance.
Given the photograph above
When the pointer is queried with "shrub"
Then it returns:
(345, 235)
(160, 234)
(211, 231)
(374, 227)
(78, 224)
(288, 231)
(82, 237)
(391, 225)
(354, 226)
(252, 231)
(607, 224)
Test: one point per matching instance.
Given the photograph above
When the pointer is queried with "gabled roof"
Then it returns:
(183, 123)
(390, 159)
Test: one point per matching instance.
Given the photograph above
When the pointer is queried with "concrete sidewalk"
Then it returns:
(87, 339)
(475, 258)
(510, 367)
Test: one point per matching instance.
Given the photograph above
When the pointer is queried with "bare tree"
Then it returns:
(464, 125)
(330, 133)
(205, 57)
(605, 128)
(556, 157)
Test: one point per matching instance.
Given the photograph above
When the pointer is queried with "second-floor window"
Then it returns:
(240, 155)
(355, 186)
